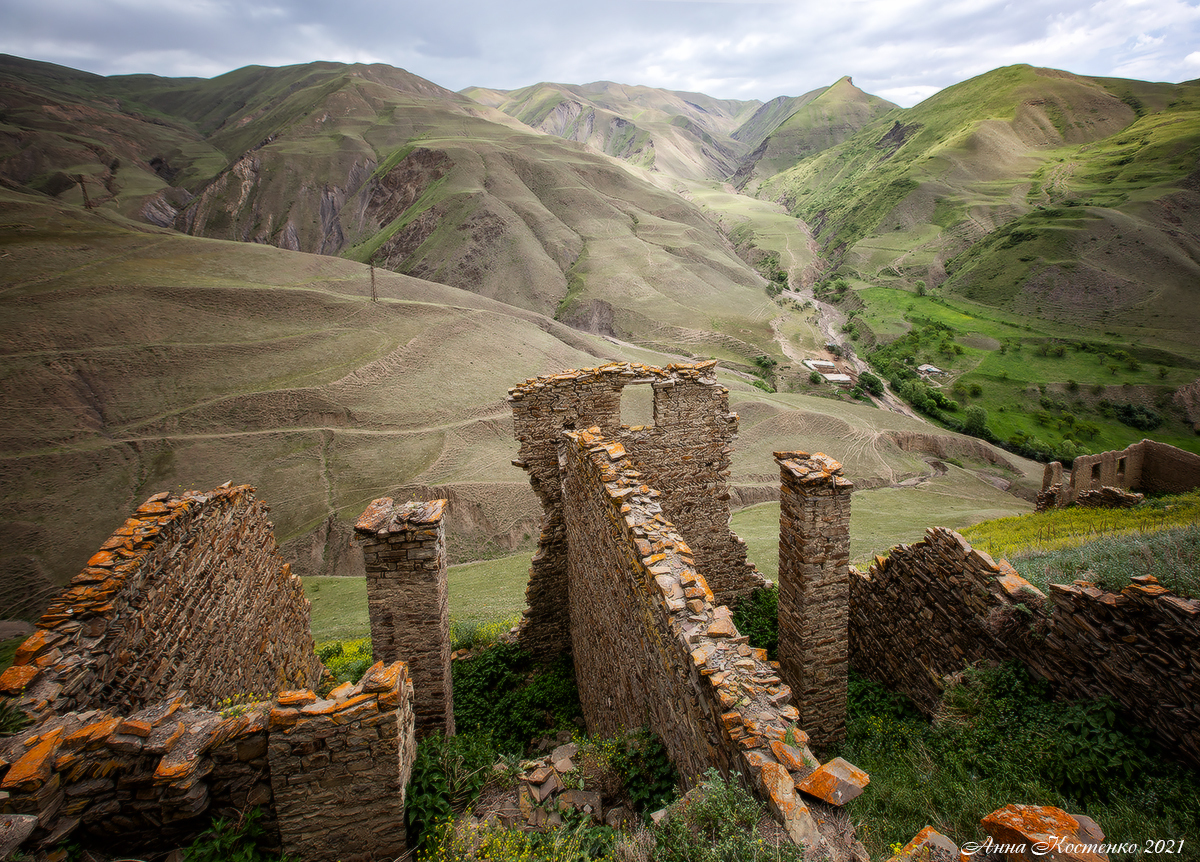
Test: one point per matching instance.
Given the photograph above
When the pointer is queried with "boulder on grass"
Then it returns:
(1041, 833)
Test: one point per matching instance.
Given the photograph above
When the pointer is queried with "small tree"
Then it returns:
(871, 383)
(975, 421)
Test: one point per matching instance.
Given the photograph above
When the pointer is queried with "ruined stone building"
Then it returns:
(1146, 466)
(173, 680)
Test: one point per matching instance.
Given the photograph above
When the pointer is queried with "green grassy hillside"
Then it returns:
(1043, 192)
(1046, 387)
(139, 359)
(1037, 231)
(377, 165)
(815, 124)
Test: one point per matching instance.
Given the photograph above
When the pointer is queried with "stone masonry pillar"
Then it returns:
(814, 590)
(405, 552)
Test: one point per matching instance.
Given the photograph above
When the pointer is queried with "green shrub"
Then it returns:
(756, 616)
(865, 697)
(871, 383)
(1000, 736)
(226, 841)
(503, 692)
(646, 771)
(975, 423)
(447, 775)
(8, 651)
(346, 660)
(12, 719)
(717, 822)
(474, 633)
(1139, 417)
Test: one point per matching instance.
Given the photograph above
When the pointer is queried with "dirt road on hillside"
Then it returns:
(830, 320)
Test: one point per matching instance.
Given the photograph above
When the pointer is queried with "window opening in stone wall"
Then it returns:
(637, 404)
(1096, 472)
(1120, 469)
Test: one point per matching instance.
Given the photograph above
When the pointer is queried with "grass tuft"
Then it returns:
(1057, 529)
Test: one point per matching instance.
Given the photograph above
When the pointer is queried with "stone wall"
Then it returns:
(814, 590)
(404, 548)
(684, 454)
(188, 594)
(188, 604)
(1149, 466)
(923, 612)
(329, 775)
(931, 608)
(652, 645)
(340, 767)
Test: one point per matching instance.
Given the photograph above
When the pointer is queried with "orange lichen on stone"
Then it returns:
(282, 718)
(354, 709)
(776, 784)
(92, 736)
(1072, 838)
(837, 782)
(790, 756)
(32, 645)
(722, 627)
(376, 516)
(14, 680)
(33, 767)
(299, 698)
(135, 727)
(924, 845)
(320, 707)
(1012, 583)
(380, 677)
(171, 771)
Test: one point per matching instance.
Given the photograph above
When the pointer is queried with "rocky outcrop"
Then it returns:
(1187, 399)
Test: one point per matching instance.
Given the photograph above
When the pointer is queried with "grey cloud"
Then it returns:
(733, 49)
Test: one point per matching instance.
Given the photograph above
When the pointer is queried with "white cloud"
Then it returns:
(903, 49)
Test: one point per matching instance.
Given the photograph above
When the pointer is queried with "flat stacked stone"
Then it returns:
(636, 591)
(921, 614)
(186, 609)
(814, 592)
(684, 455)
(404, 548)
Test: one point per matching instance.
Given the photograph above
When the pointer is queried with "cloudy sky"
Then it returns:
(903, 50)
